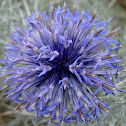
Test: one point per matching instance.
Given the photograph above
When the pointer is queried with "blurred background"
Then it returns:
(12, 12)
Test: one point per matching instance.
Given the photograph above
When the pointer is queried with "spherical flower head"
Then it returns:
(58, 64)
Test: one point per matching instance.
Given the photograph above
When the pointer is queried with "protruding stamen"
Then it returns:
(89, 74)
(6, 70)
(38, 17)
(52, 10)
(107, 86)
(107, 57)
(65, 84)
(113, 32)
(50, 118)
(21, 32)
(98, 32)
(35, 50)
(31, 23)
(49, 27)
(81, 115)
(93, 17)
(19, 82)
(34, 104)
(85, 104)
(88, 43)
(81, 19)
(48, 94)
(16, 59)
(25, 106)
(57, 110)
(74, 9)
(64, 5)
(22, 74)
(8, 74)
(106, 110)
(62, 19)
(6, 96)
(7, 86)
(13, 43)
(76, 66)
(20, 104)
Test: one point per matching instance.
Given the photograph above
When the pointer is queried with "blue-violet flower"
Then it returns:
(58, 64)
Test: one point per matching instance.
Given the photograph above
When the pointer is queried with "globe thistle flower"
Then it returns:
(58, 64)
